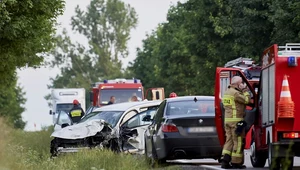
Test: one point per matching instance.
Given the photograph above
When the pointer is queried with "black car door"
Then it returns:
(151, 132)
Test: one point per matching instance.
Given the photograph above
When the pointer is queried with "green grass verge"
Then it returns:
(30, 151)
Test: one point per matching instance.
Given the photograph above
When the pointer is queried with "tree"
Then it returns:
(12, 102)
(26, 29)
(106, 24)
(201, 35)
(26, 33)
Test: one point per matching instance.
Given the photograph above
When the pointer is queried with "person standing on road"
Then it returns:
(235, 99)
(76, 113)
(112, 100)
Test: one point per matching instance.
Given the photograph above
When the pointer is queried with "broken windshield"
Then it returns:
(111, 117)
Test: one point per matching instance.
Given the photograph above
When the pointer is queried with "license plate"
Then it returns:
(200, 129)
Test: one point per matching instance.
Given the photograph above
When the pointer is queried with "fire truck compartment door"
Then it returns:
(222, 81)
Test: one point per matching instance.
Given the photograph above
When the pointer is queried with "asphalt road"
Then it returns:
(207, 164)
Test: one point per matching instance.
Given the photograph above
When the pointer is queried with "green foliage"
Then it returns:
(182, 54)
(26, 29)
(26, 32)
(12, 102)
(106, 25)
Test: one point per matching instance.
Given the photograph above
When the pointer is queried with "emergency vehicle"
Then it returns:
(275, 112)
(252, 73)
(62, 100)
(123, 90)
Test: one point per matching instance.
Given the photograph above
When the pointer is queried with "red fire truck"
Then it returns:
(275, 112)
(252, 73)
(123, 90)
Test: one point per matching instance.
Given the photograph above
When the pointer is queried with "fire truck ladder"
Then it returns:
(289, 49)
(241, 63)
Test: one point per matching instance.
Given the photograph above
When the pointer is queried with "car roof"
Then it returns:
(186, 98)
(127, 105)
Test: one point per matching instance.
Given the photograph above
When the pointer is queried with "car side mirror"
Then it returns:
(65, 125)
(50, 112)
(147, 118)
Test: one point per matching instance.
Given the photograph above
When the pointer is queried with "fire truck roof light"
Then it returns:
(135, 80)
(292, 61)
(104, 81)
(291, 135)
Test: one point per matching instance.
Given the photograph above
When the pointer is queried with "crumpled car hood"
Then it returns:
(80, 130)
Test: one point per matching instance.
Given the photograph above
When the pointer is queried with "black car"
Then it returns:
(183, 128)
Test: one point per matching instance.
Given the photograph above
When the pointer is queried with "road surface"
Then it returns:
(213, 164)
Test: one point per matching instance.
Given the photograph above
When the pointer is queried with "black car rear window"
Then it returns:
(191, 107)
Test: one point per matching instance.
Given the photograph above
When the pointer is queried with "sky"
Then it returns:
(34, 81)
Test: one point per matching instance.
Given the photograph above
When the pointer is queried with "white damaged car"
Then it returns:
(119, 127)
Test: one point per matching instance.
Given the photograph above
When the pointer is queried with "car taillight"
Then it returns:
(291, 135)
(169, 128)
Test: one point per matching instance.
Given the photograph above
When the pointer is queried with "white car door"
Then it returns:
(133, 130)
(63, 118)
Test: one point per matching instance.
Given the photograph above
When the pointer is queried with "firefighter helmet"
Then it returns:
(172, 95)
(76, 102)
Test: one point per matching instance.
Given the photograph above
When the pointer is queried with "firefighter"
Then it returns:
(173, 94)
(112, 100)
(235, 100)
(76, 113)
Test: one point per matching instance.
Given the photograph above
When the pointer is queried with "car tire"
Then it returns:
(53, 148)
(114, 146)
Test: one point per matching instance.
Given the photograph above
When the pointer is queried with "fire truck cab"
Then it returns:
(275, 111)
(122, 90)
(252, 74)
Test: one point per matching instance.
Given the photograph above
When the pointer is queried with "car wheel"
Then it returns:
(113, 146)
(53, 148)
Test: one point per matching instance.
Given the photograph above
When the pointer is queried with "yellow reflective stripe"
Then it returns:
(228, 100)
(226, 152)
(246, 94)
(76, 113)
(233, 110)
(237, 155)
(239, 144)
(233, 119)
